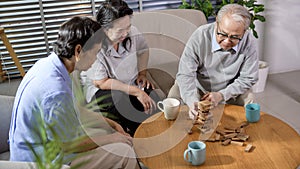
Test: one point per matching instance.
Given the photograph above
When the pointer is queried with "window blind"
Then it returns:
(150, 5)
(23, 28)
(31, 25)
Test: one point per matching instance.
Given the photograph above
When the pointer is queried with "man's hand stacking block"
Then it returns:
(204, 106)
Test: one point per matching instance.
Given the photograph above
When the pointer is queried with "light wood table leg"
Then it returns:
(11, 52)
(2, 73)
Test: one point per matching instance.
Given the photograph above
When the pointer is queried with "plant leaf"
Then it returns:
(254, 33)
(260, 18)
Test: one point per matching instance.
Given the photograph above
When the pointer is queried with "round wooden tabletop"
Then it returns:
(160, 143)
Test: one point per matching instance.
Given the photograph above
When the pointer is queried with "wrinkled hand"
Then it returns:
(146, 101)
(119, 129)
(142, 81)
(193, 111)
(214, 97)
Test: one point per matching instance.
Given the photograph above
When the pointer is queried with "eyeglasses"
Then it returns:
(224, 36)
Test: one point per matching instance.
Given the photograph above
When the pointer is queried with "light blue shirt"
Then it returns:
(44, 92)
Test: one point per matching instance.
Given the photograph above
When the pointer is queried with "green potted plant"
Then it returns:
(203, 5)
(206, 7)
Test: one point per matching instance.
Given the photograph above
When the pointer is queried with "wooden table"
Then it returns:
(159, 145)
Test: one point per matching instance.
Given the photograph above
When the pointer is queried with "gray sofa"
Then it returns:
(6, 104)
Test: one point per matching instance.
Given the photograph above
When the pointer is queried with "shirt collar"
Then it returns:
(112, 52)
(216, 47)
(60, 66)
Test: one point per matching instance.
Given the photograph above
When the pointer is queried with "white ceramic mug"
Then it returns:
(170, 107)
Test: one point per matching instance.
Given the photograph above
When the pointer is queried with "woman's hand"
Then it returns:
(120, 129)
(116, 126)
(146, 101)
(142, 81)
(193, 111)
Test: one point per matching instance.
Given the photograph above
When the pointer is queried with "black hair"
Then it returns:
(75, 31)
(111, 10)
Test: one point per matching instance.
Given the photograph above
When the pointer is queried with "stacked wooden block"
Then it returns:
(204, 120)
(227, 135)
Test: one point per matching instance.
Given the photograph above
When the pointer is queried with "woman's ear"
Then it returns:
(78, 48)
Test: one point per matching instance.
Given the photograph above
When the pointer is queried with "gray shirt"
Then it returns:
(121, 65)
(205, 67)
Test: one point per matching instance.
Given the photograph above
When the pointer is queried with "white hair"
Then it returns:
(237, 12)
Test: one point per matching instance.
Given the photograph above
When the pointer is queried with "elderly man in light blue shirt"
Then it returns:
(219, 62)
(45, 111)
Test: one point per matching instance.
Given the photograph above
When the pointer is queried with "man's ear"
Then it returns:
(78, 48)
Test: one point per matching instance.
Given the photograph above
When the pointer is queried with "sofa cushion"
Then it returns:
(166, 32)
(6, 104)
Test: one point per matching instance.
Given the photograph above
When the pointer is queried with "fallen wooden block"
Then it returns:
(237, 139)
(237, 143)
(229, 131)
(226, 142)
(244, 137)
(229, 128)
(220, 132)
(248, 148)
(217, 136)
(231, 135)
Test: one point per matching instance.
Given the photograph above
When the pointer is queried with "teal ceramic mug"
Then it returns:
(252, 112)
(195, 153)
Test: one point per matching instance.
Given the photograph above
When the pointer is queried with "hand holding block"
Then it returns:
(204, 106)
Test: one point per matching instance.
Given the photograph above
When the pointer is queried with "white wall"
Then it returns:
(279, 36)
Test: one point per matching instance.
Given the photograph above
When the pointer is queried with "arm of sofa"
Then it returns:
(6, 106)
(161, 80)
(22, 165)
